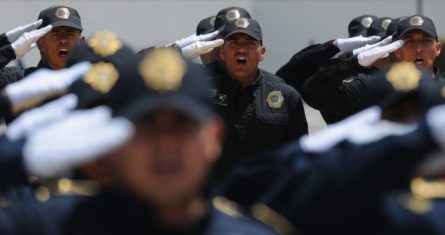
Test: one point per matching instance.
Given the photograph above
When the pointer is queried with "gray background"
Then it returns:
(288, 25)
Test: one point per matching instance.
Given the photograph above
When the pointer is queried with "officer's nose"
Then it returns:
(63, 41)
(419, 48)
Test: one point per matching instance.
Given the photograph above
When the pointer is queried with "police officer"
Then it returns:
(337, 88)
(421, 44)
(224, 16)
(54, 46)
(262, 111)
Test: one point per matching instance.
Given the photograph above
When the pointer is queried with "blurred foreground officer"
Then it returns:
(262, 111)
(153, 175)
(54, 46)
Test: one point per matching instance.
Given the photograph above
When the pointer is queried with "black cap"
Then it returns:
(416, 22)
(359, 25)
(229, 14)
(402, 80)
(392, 27)
(247, 26)
(161, 79)
(378, 27)
(206, 25)
(60, 16)
(107, 54)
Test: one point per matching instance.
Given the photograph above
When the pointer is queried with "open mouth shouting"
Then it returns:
(63, 52)
(419, 61)
(241, 60)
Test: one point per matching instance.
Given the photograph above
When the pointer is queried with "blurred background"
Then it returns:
(288, 25)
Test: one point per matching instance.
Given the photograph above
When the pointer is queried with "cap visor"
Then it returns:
(149, 104)
(430, 33)
(66, 23)
(244, 31)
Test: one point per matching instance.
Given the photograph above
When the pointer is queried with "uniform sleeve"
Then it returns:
(326, 91)
(6, 55)
(5, 108)
(297, 118)
(10, 75)
(11, 162)
(305, 63)
(4, 40)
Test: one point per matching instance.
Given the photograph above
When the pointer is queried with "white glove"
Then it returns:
(80, 138)
(196, 49)
(435, 119)
(368, 57)
(42, 84)
(384, 42)
(194, 38)
(27, 41)
(37, 118)
(324, 139)
(349, 44)
(14, 34)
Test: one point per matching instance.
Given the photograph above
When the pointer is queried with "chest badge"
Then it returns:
(275, 99)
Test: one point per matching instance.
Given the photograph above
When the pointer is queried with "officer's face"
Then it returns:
(168, 158)
(55, 45)
(420, 49)
(241, 55)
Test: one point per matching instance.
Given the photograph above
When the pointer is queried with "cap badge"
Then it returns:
(242, 23)
(212, 21)
(385, 23)
(62, 13)
(102, 77)
(404, 76)
(232, 15)
(163, 69)
(366, 22)
(416, 21)
(105, 43)
(275, 99)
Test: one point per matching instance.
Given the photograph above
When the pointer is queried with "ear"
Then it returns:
(398, 54)
(262, 53)
(438, 48)
(82, 39)
(220, 53)
(41, 44)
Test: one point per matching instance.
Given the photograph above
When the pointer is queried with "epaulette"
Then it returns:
(428, 189)
(423, 193)
(65, 187)
(273, 219)
(226, 206)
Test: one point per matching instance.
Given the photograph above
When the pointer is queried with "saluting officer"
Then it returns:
(261, 110)
(54, 46)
